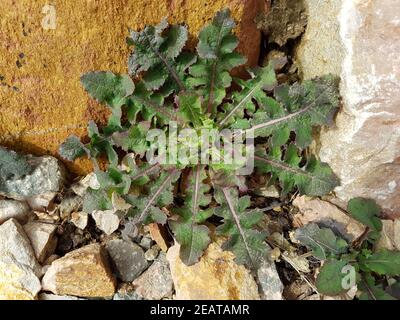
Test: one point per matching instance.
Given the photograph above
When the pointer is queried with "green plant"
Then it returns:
(369, 269)
(195, 90)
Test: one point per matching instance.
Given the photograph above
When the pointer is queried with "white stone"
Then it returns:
(80, 219)
(14, 209)
(14, 242)
(43, 239)
(107, 220)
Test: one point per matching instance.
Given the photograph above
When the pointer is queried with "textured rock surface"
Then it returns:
(215, 276)
(41, 97)
(17, 280)
(43, 239)
(271, 286)
(320, 51)
(156, 282)
(15, 243)
(107, 221)
(328, 215)
(390, 235)
(14, 209)
(128, 258)
(84, 272)
(364, 149)
(47, 296)
(47, 176)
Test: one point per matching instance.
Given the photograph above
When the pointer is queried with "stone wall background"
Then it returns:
(41, 99)
(360, 41)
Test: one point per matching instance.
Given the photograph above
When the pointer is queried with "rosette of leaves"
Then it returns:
(346, 265)
(195, 90)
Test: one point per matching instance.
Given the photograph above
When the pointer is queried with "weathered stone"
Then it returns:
(156, 282)
(390, 235)
(43, 239)
(128, 258)
(84, 272)
(107, 221)
(215, 277)
(14, 242)
(159, 235)
(80, 219)
(68, 205)
(285, 20)
(14, 209)
(364, 148)
(43, 101)
(327, 215)
(146, 242)
(271, 286)
(41, 202)
(152, 253)
(320, 51)
(47, 176)
(89, 181)
(47, 296)
(17, 280)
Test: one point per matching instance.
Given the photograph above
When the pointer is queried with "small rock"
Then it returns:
(14, 209)
(43, 239)
(14, 242)
(390, 235)
(80, 219)
(17, 280)
(107, 221)
(90, 181)
(215, 277)
(268, 192)
(127, 296)
(146, 242)
(84, 272)
(69, 205)
(156, 282)
(47, 175)
(279, 59)
(152, 253)
(47, 296)
(270, 284)
(327, 215)
(42, 201)
(128, 258)
(159, 235)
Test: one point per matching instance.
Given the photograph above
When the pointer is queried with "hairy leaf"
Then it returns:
(247, 244)
(210, 76)
(366, 211)
(156, 49)
(251, 89)
(72, 148)
(313, 179)
(160, 195)
(190, 108)
(193, 237)
(96, 200)
(384, 262)
(302, 106)
(330, 278)
(107, 87)
(322, 241)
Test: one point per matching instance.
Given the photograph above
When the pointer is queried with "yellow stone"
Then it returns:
(84, 272)
(41, 99)
(215, 277)
(17, 281)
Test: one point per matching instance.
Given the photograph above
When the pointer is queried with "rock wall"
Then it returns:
(42, 58)
(364, 148)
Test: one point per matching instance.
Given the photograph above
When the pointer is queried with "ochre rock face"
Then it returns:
(41, 99)
(215, 277)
